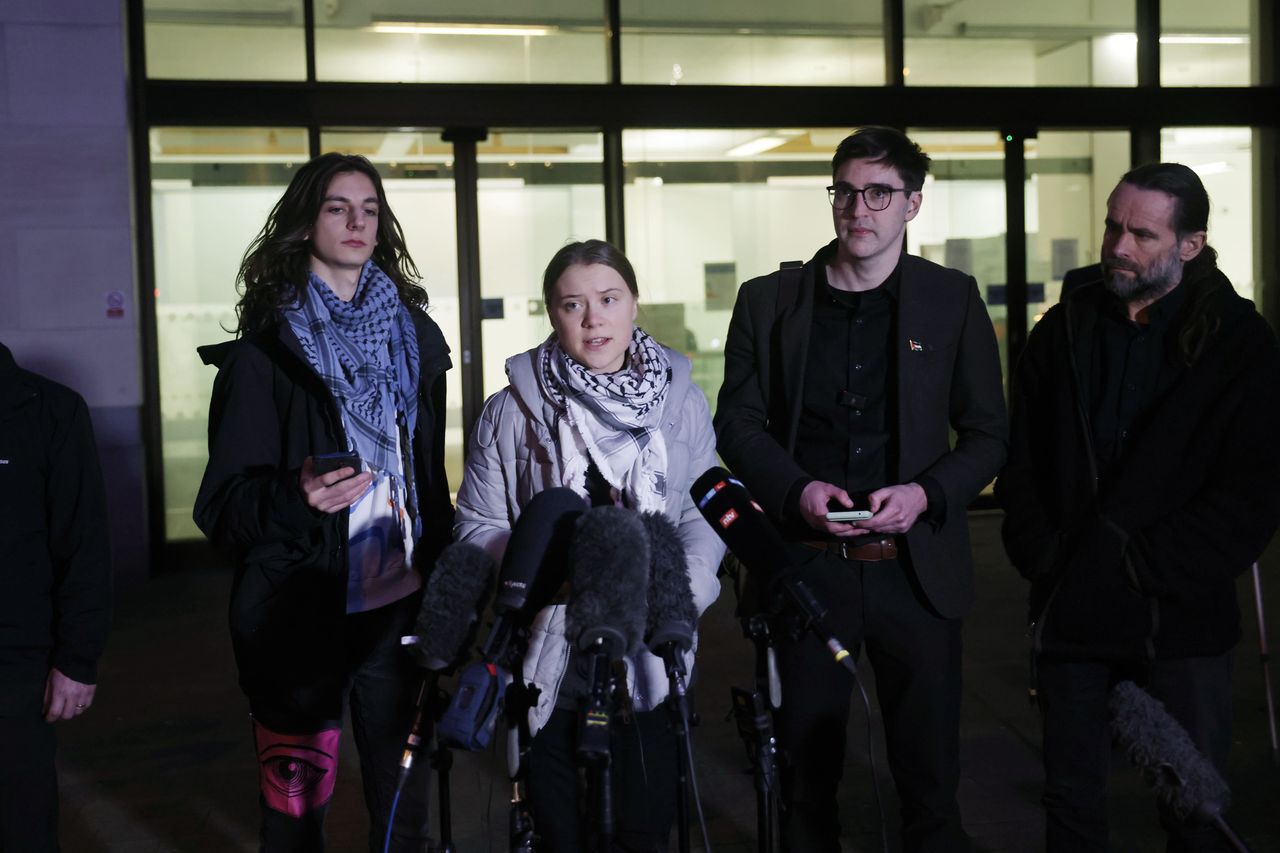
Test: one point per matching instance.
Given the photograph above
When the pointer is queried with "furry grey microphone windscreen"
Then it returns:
(1183, 778)
(609, 585)
(672, 613)
(451, 604)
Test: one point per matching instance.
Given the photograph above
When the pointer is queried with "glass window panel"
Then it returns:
(804, 42)
(961, 223)
(1070, 174)
(709, 209)
(1031, 43)
(211, 191)
(1223, 158)
(225, 39)
(417, 174)
(537, 191)
(462, 41)
(1202, 49)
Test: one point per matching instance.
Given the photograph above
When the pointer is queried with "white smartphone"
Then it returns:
(861, 511)
(849, 515)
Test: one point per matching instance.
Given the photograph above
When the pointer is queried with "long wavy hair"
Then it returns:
(277, 264)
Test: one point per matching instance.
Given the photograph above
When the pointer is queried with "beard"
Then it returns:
(1146, 285)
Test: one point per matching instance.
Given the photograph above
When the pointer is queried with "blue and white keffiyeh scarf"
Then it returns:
(612, 419)
(366, 352)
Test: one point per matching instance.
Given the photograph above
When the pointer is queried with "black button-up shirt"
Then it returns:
(847, 417)
(1132, 367)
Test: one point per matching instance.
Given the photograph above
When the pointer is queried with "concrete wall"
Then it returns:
(68, 298)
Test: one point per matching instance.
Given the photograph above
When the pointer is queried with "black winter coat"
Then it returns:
(269, 412)
(55, 558)
(1147, 567)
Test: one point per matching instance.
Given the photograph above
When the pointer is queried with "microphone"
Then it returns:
(534, 566)
(606, 612)
(672, 614)
(610, 559)
(451, 605)
(746, 530)
(1184, 780)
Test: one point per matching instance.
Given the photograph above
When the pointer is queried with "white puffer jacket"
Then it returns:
(513, 455)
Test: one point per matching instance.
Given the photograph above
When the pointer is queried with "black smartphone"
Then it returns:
(326, 462)
(861, 510)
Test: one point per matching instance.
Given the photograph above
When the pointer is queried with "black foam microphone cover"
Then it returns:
(672, 614)
(536, 562)
(609, 585)
(741, 523)
(451, 603)
(1158, 745)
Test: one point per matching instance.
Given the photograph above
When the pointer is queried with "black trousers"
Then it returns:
(28, 779)
(644, 774)
(1077, 741)
(382, 689)
(916, 658)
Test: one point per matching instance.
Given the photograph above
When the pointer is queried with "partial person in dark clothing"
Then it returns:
(1143, 478)
(845, 378)
(55, 591)
(334, 355)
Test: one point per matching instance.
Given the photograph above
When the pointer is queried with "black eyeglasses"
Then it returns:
(874, 196)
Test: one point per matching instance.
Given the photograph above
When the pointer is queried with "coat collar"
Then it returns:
(16, 386)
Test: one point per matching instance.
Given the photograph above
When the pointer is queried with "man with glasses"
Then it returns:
(843, 381)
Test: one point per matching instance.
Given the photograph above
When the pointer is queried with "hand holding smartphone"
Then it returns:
(327, 462)
(861, 510)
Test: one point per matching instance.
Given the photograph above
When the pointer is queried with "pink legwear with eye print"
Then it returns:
(297, 773)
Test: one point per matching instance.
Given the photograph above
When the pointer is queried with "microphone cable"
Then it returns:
(871, 760)
(693, 778)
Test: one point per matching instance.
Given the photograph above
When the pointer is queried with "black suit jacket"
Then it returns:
(948, 377)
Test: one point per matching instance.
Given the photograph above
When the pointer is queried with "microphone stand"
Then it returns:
(595, 724)
(678, 704)
(520, 698)
(442, 761)
(753, 712)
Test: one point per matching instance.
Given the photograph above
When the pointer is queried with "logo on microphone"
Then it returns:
(728, 518)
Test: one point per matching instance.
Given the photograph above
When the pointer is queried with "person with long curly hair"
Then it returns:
(326, 480)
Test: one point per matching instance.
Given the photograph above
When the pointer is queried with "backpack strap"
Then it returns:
(789, 273)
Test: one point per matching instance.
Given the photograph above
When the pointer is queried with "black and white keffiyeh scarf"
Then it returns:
(366, 352)
(612, 419)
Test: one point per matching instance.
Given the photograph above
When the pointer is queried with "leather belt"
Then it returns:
(884, 548)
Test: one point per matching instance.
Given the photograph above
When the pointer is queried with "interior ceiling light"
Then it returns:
(1218, 167)
(755, 146)
(414, 28)
(1189, 39)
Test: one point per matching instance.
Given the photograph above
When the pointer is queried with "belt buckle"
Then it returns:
(844, 549)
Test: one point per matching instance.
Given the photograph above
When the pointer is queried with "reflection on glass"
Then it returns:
(1199, 47)
(211, 190)
(1222, 157)
(417, 174)
(757, 44)
(215, 40)
(1030, 43)
(709, 209)
(1069, 177)
(479, 41)
(537, 191)
(961, 223)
